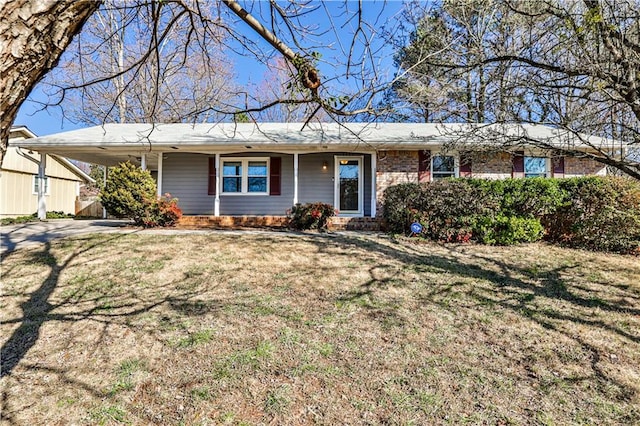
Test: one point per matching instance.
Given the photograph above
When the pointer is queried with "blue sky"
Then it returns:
(51, 120)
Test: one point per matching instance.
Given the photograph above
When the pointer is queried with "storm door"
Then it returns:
(348, 186)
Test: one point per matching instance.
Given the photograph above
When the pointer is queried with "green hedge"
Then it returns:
(597, 213)
(130, 192)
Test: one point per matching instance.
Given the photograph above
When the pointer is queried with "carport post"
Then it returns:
(42, 202)
(143, 161)
(295, 178)
(374, 190)
(105, 175)
(159, 184)
(216, 202)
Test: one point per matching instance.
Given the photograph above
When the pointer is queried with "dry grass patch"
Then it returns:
(317, 329)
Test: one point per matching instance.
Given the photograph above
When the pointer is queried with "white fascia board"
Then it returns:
(26, 133)
(290, 136)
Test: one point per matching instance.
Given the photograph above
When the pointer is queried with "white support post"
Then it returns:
(159, 183)
(105, 175)
(143, 161)
(42, 202)
(374, 189)
(216, 206)
(295, 178)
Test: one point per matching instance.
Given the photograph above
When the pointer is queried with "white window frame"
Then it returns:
(456, 164)
(547, 165)
(245, 174)
(336, 186)
(47, 186)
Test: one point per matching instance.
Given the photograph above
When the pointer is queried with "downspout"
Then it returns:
(42, 164)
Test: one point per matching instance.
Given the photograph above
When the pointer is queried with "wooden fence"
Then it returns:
(90, 207)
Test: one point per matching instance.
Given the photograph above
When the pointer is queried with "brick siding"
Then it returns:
(574, 167)
(492, 166)
(393, 168)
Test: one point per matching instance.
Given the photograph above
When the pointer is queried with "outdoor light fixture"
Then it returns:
(344, 162)
(325, 165)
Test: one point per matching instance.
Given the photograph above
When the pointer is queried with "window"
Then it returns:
(245, 176)
(535, 167)
(232, 176)
(443, 166)
(36, 182)
(257, 176)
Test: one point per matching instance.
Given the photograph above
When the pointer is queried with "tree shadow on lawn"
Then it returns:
(514, 288)
(547, 283)
(37, 310)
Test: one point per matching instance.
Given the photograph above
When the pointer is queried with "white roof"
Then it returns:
(29, 135)
(111, 143)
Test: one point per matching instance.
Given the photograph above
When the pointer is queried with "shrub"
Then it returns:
(310, 216)
(34, 218)
(450, 209)
(400, 204)
(598, 214)
(163, 211)
(532, 197)
(57, 214)
(447, 209)
(508, 230)
(130, 192)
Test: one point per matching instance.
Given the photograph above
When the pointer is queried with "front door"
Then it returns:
(348, 186)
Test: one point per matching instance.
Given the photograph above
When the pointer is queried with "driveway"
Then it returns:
(26, 234)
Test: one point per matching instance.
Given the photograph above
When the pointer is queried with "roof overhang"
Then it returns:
(111, 144)
(18, 132)
(21, 131)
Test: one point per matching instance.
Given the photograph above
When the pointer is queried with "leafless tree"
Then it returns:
(35, 34)
(166, 88)
(570, 65)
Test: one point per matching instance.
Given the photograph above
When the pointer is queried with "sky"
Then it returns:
(51, 120)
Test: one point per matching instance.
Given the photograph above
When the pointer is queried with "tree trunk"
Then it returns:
(33, 36)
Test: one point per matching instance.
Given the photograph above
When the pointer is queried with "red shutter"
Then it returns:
(465, 165)
(558, 167)
(424, 165)
(518, 165)
(212, 176)
(275, 176)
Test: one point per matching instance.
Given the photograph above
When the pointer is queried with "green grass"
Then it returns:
(327, 329)
(196, 338)
(105, 415)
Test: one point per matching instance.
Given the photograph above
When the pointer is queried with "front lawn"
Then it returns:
(329, 329)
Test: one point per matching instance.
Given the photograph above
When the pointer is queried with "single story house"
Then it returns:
(229, 169)
(20, 179)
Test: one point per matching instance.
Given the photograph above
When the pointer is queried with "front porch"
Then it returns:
(274, 222)
(267, 184)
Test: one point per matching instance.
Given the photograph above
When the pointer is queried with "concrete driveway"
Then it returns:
(25, 234)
